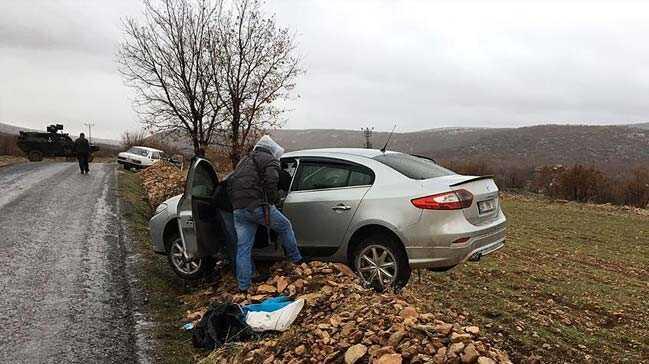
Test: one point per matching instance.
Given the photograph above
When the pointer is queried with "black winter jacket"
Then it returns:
(245, 187)
(81, 147)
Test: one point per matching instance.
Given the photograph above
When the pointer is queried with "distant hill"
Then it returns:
(611, 147)
(536, 145)
(8, 129)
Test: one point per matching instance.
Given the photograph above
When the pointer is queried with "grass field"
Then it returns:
(164, 290)
(571, 284)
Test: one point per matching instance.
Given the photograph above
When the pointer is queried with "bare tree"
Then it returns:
(166, 59)
(255, 63)
(133, 139)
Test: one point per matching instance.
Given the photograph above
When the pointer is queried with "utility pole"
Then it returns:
(89, 125)
(367, 132)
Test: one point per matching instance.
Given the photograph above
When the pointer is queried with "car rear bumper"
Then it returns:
(482, 242)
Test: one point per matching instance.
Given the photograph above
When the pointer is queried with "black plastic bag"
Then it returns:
(222, 323)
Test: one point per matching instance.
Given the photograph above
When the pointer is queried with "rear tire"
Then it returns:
(187, 269)
(35, 156)
(381, 262)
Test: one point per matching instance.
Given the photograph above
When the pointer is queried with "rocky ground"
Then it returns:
(344, 322)
(161, 181)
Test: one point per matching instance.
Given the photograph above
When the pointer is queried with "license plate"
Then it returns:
(486, 206)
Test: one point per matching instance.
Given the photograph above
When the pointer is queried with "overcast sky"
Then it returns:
(419, 64)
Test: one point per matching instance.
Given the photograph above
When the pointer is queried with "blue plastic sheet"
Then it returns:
(268, 305)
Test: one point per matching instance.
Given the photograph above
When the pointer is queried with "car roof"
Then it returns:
(147, 148)
(328, 152)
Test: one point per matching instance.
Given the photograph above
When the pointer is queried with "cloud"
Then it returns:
(471, 63)
(420, 64)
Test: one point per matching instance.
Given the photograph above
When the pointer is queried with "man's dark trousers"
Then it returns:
(83, 163)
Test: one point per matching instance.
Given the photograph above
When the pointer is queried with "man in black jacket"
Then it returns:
(253, 191)
(82, 149)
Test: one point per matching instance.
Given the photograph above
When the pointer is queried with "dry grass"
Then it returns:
(570, 285)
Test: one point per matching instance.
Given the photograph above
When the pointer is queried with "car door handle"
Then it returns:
(341, 207)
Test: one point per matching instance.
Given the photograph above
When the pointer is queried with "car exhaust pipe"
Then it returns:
(475, 257)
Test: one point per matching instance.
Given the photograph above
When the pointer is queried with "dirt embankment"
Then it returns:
(161, 181)
(7, 160)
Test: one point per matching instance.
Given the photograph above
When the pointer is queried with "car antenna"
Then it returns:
(387, 141)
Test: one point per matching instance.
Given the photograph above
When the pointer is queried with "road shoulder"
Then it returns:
(10, 160)
(159, 300)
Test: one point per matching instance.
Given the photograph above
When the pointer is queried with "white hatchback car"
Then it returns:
(140, 157)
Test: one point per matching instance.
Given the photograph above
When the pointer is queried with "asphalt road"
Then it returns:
(64, 291)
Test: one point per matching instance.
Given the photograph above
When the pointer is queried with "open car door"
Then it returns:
(201, 226)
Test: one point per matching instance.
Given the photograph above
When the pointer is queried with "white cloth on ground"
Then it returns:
(278, 320)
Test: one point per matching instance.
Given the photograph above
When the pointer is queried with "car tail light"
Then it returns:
(454, 200)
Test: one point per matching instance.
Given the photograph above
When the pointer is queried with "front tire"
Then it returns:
(35, 156)
(381, 262)
(189, 269)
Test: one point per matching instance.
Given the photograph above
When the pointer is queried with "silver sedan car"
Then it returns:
(382, 213)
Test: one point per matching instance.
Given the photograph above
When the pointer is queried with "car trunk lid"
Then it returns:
(485, 204)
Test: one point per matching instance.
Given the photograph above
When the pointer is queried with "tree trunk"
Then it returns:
(196, 143)
(235, 150)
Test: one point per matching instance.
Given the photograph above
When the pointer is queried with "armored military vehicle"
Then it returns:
(37, 145)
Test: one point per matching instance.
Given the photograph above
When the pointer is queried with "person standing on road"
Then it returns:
(82, 150)
(253, 191)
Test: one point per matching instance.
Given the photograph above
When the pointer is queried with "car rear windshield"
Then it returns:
(413, 167)
(138, 151)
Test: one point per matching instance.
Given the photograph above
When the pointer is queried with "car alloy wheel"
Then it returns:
(376, 266)
(181, 261)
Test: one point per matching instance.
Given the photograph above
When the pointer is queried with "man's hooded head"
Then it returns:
(270, 145)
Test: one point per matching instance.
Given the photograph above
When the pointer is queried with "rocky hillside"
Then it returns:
(537, 145)
(614, 147)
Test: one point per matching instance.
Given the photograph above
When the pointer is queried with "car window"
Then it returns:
(204, 182)
(413, 167)
(360, 178)
(155, 155)
(138, 151)
(321, 175)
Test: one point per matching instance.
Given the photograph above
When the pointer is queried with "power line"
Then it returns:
(89, 125)
(367, 132)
